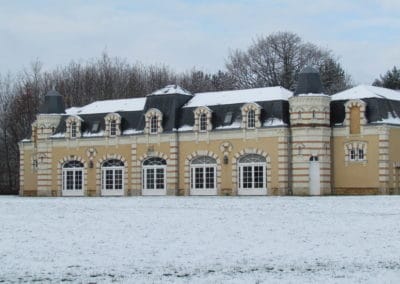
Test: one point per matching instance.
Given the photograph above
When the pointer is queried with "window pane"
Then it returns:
(247, 177)
(78, 180)
(118, 179)
(203, 122)
(113, 128)
(210, 176)
(70, 180)
(251, 122)
(352, 155)
(160, 179)
(150, 178)
(360, 154)
(109, 179)
(199, 178)
(258, 177)
(153, 124)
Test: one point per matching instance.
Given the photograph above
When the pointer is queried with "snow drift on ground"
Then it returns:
(200, 240)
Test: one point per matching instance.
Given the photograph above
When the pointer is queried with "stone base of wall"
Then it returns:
(91, 193)
(358, 191)
(226, 191)
(29, 193)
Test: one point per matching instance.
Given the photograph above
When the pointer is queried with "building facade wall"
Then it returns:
(176, 148)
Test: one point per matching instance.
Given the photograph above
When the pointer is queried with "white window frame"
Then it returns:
(113, 127)
(146, 169)
(251, 119)
(153, 124)
(356, 154)
(66, 171)
(252, 190)
(203, 121)
(116, 172)
(204, 167)
(73, 129)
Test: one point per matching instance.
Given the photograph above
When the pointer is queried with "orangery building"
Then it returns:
(264, 141)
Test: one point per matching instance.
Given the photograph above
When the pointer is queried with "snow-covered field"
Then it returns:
(200, 240)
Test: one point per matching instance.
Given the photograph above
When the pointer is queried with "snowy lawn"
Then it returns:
(205, 239)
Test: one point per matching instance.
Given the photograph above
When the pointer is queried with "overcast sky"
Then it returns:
(182, 34)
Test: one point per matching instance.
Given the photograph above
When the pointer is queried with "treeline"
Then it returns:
(270, 61)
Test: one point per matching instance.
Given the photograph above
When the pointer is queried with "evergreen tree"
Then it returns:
(390, 80)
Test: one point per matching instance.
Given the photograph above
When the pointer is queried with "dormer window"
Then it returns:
(113, 127)
(203, 122)
(355, 116)
(153, 121)
(251, 119)
(73, 129)
(73, 125)
(153, 124)
(202, 119)
(112, 124)
(251, 116)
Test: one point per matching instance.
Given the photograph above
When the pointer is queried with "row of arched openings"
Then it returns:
(203, 175)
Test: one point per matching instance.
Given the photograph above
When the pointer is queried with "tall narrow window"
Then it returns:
(72, 179)
(73, 129)
(154, 125)
(154, 176)
(203, 176)
(251, 119)
(360, 154)
(203, 122)
(112, 177)
(113, 127)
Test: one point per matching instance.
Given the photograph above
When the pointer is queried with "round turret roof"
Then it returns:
(309, 82)
(53, 103)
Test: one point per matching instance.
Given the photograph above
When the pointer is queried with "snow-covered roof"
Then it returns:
(239, 96)
(171, 89)
(109, 106)
(366, 91)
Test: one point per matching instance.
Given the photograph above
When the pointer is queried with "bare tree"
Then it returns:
(277, 59)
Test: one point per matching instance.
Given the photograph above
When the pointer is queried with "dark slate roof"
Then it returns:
(309, 82)
(225, 116)
(377, 110)
(53, 103)
(169, 105)
(178, 109)
(382, 105)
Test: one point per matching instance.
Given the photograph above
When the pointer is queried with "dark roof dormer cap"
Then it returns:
(53, 103)
(171, 90)
(309, 82)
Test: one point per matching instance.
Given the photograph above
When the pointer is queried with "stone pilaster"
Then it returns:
(384, 159)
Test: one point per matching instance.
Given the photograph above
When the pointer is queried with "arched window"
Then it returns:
(112, 172)
(154, 124)
(73, 129)
(113, 127)
(72, 178)
(252, 173)
(203, 172)
(154, 176)
(251, 119)
(203, 122)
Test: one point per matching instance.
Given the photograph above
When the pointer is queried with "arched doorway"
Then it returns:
(252, 178)
(203, 176)
(72, 178)
(154, 180)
